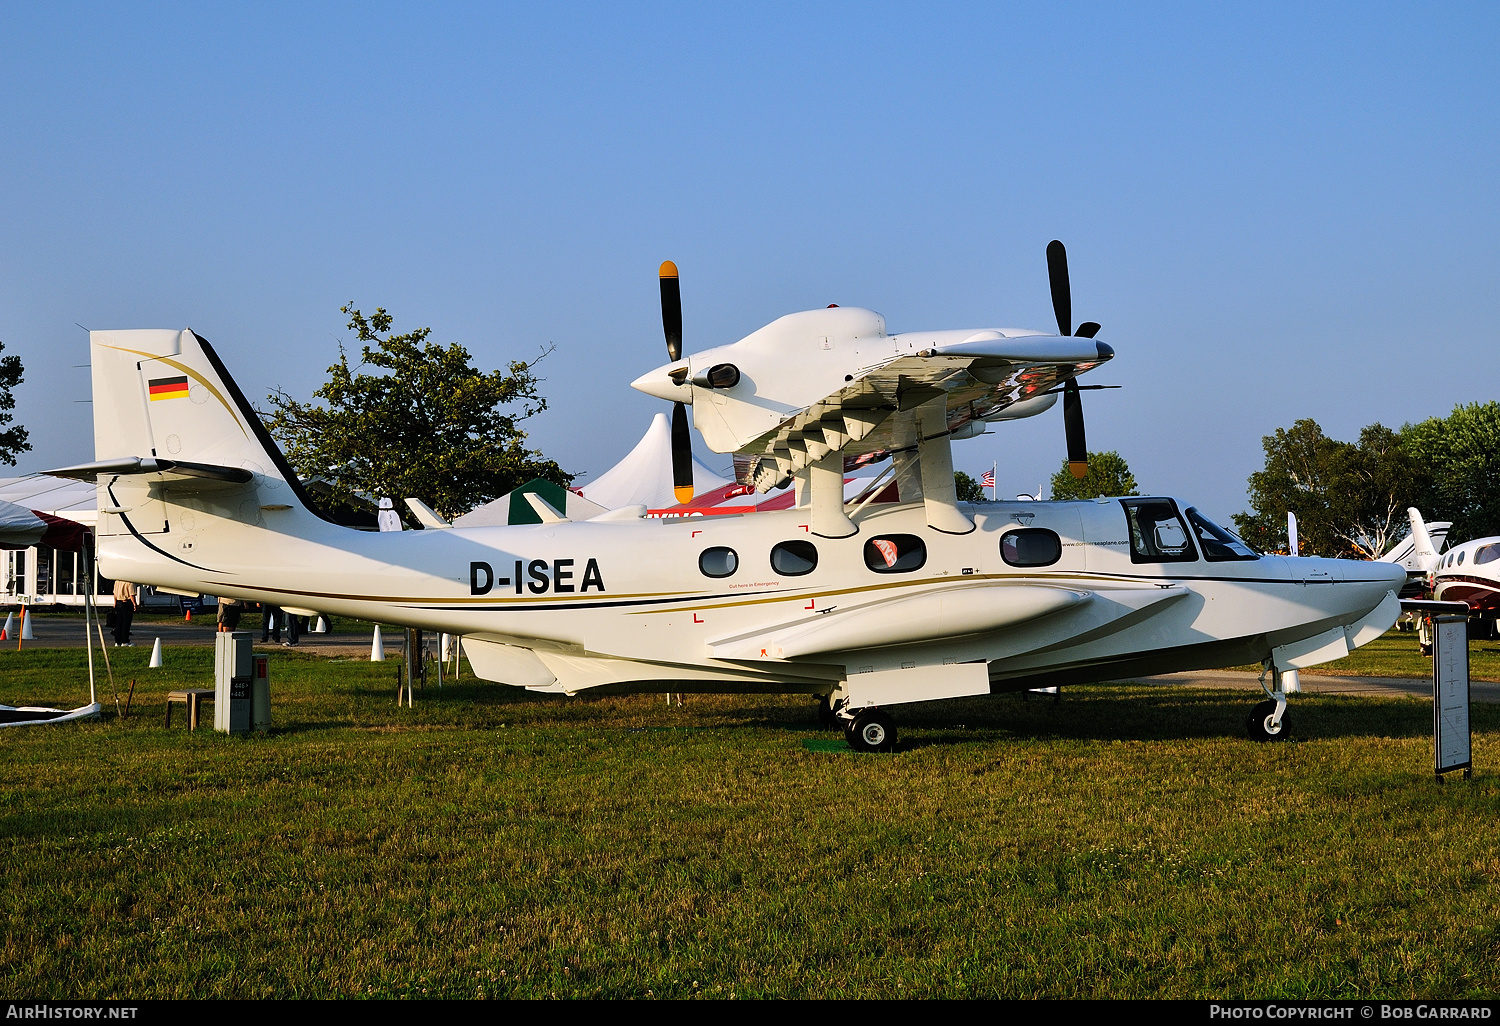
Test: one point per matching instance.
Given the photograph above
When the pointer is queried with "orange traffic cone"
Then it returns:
(189, 616)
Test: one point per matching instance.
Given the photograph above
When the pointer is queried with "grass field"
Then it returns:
(1126, 841)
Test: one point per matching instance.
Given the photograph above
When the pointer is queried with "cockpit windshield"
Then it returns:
(1218, 544)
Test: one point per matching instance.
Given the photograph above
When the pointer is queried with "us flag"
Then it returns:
(988, 480)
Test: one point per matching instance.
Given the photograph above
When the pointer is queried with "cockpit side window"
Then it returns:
(1157, 533)
(1487, 554)
(1217, 543)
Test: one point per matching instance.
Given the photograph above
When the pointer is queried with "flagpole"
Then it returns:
(994, 481)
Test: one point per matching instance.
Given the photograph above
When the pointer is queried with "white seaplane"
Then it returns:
(866, 605)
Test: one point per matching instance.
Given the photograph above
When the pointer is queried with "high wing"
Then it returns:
(823, 381)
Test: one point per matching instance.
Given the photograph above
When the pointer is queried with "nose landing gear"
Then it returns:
(1268, 720)
(1264, 725)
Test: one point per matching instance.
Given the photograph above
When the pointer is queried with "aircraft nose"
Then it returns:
(662, 383)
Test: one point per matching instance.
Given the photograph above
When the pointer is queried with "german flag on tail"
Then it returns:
(168, 388)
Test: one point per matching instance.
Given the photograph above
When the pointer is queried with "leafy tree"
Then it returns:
(1108, 475)
(430, 426)
(969, 490)
(1350, 498)
(13, 440)
(1460, 455)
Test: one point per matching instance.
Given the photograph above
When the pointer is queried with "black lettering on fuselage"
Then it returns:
(538, 576)
(592, 576)
(476, 571)
(537, 568)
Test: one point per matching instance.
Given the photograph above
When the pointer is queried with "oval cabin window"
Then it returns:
(895, 554)
(718, 561)
(794, 558)
(1030, 546)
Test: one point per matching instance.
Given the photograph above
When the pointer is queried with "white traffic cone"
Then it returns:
(321, 627)
(155, 663)
(10, 625)
(377, 647)
(26, 634)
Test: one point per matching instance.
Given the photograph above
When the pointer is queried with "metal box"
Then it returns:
(233, 673)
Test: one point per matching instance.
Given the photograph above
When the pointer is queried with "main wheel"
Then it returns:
(871, 731)
(826, 718)
(1262, 723)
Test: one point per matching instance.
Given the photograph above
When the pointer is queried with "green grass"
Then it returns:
(1126, 841)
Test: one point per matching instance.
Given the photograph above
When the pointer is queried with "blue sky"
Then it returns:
(1275, 211)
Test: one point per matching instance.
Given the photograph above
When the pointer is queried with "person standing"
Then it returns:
(270, 622)
(229, 614)
(125, 600)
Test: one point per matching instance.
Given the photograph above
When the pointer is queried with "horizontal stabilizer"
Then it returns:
(170, 470)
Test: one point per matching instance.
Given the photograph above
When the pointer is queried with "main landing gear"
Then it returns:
(871, 730)
(867, 730)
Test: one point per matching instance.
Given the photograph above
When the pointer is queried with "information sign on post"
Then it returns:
(1450, 696)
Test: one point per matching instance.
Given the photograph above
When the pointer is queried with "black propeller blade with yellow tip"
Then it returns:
(682, 439)
(1062, 306)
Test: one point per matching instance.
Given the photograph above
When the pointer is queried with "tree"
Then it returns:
(15, 439)
(969, 490)
(1350, 498)
(430, 427)
(1460, 455)
(1108, 474)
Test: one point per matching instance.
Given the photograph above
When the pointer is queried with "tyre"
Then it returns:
(1262, 726)
(871, 731)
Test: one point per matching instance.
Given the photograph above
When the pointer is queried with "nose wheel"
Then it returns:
(1264, 725)
(871, 730)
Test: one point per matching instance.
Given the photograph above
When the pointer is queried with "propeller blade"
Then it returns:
(1062, 292)
(671, 310)
(1078, 449)
(1088, 329)
(682, 451)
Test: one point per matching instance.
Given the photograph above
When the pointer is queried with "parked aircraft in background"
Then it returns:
(866, 604)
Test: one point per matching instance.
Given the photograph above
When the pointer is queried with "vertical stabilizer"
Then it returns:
(1423, 549)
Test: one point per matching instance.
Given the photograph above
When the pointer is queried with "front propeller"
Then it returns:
(682, 439)
(1062, 306)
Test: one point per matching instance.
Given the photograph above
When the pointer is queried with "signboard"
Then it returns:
(1450, 695)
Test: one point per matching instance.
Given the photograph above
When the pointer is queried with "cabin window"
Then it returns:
(1486, 554)
(1157, 533)
(895, 554)
(1030, 546)
(1461, 557)
(718, 561)
(1217, 543)
(794, 558)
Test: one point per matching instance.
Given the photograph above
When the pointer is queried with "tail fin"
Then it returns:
(1418, 551)
(165, 399)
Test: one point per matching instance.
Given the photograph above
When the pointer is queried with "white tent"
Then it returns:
(644, 476)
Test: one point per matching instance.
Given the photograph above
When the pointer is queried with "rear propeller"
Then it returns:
(1062, 306)
(682, 440)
